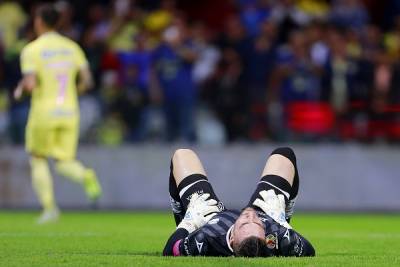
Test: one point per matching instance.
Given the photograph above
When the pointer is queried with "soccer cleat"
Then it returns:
(92, 186)
(49, 216)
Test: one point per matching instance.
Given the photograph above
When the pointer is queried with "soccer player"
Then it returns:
(205, 227)
(51, 66)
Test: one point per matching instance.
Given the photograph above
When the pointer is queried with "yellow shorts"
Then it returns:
(55, 138)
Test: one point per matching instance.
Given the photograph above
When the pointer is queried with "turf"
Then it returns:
(137, 239)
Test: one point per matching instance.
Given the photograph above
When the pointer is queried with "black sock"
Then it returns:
(288, 153)
(277, 183)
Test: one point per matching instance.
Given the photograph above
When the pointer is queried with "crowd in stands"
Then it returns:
(222, 71)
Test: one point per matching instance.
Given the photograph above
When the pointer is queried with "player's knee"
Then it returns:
(286, 152)
(38, 165)
(182, 153)
(61, 166)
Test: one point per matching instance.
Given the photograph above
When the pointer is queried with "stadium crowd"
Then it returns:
(222, 71)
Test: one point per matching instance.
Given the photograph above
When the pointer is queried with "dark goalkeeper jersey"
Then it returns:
(212, 239)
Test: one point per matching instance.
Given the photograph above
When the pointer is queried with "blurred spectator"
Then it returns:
(3, 116)
(253, 13)
(258, 66)
(289, 17)
(208, 55)
(12, 19)
(296, 79)
(256, 63)
(111, 130)
(319, 49)
(227, 95)
(124, 25)
(13, 38)
(95, 36)
(339, 74)
(234, 36)
(349, 13)
(134, 78)
(392, 39)
(157, 20)
(66, 24)
(173, 64)
(314, 9)
(296, 76)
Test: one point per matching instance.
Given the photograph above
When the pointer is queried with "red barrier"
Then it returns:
(310, 117)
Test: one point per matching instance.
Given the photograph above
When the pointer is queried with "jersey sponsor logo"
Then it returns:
(51, 53)
(199, 245)
(286, 235)
(271, 241)
(48, 54)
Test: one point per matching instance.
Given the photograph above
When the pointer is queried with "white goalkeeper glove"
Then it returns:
(199, 212)
(273, 205)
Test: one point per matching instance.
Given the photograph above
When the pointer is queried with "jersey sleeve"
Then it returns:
(292, 243)
(28, 60)
(181, 243)
(80, 58)
(172, 248)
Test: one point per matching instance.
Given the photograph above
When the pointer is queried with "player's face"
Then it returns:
(248, 224)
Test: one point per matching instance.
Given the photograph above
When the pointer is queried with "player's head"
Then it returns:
(248, 235)
(46, 18)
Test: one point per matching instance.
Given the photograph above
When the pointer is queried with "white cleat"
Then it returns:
(49, 216)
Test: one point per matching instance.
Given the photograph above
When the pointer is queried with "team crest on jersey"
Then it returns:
(271, 241)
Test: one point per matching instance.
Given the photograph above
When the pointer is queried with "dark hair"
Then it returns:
(48, 14)
(252, 247)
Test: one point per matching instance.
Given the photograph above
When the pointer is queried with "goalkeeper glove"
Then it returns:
(273, 205)
(199, 212)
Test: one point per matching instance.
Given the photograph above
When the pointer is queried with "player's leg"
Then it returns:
(187, 176)
(65, 151)
(280, 174)
(38, 140)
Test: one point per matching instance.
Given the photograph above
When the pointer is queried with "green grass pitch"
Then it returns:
(137, 239)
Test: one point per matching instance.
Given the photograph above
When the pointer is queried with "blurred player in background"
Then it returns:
(54, 71)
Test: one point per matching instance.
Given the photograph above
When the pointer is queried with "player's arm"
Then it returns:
(26, 84)
(29, 65)
(291, 243)
(181, 243)
(85, 79)
(173, 246)
(200, 210)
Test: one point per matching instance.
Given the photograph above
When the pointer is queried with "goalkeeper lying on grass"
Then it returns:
(205, 227)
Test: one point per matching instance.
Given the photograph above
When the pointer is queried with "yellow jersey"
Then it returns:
(55, 60)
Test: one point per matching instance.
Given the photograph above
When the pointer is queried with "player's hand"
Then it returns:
(273, 205)
(200, 210)
(19, 90)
